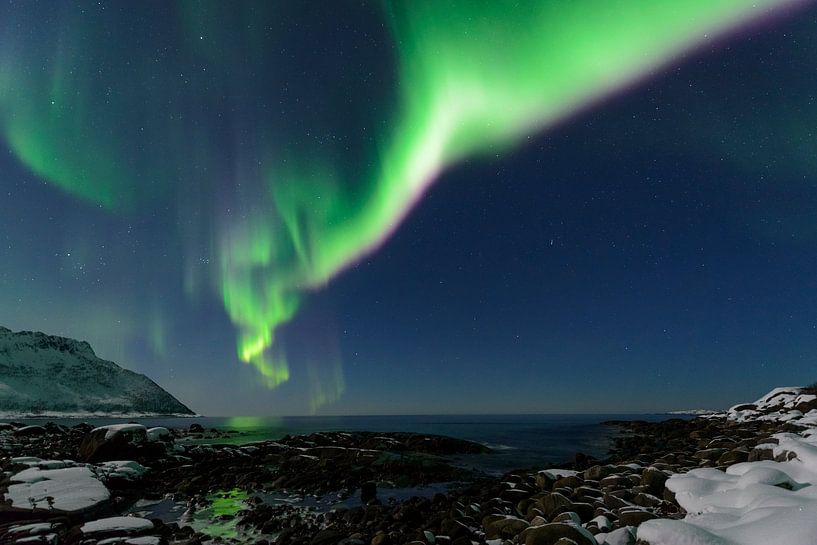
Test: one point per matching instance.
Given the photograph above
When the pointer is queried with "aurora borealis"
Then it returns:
(191, 176)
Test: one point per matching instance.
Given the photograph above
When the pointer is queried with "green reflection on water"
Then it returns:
(219, 520)
(254, 423)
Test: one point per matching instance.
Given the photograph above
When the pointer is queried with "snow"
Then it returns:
(30, 428)
(136, 431)
(141, 540)
(117, 524)
(622, 536)
(48, 538)
(31, 461)
(159, 434)
(751, 503)
(26, 460)
(779, 405)
(50, 415)
(144, 540)
(788, 397)
(559, 473)
(125, 469)
(69, 489)
(602, 523)
(31, 529)
(58, 377)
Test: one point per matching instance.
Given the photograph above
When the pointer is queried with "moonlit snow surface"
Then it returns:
(132, 524)
(753, 503)
(68, 489)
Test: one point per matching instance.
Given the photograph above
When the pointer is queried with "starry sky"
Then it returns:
(417, 207)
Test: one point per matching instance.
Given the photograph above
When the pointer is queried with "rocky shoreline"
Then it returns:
(325, 488)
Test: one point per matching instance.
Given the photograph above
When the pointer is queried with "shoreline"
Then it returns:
(49, 416)
(334, 487)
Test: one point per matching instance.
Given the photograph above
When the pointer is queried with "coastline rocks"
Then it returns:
(550, 534)
(634, 517)
(53, 492)
(503, 526)
(123, 442)
(29, 430)
(609, 499)
(653, 481)
(116, 526)
(109, 443)
(159, 434)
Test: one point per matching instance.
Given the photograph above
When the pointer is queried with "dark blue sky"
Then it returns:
(654, 252)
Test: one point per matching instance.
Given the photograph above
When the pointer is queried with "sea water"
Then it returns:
(516, 441)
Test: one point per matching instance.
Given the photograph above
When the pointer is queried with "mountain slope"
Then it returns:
(41, 373)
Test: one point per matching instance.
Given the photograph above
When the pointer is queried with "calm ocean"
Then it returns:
(518, 441)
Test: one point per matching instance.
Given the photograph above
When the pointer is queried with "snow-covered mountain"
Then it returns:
(44, 374)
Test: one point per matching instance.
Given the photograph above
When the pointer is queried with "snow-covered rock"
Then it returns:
(796, 406)
(752, 503)
(36, 528)
(66, 486)
(46, 375)
(136, 433)
(117, 524)
(69, 490)
(159, 434)
(122, 469)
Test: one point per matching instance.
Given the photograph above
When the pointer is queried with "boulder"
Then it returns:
(634, 517)
(545, 480)
(159, 434)
(550, 534)
(112, 443)
(552, 502)
(499, 526)
(571, 481)
(584, 511)
(597, 472)
(758, 453)
(711, 454)
(735, 456)
(622, 536)
(806, 406)
(568, 516)
(326, 537)
(653, 481)
(30, 430)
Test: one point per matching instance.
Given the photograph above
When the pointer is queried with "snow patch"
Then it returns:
(751, 503)
(117, 524)
(70, 489)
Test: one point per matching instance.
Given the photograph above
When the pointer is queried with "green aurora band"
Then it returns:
(475, 77)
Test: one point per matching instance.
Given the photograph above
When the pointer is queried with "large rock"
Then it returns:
(733, 457)
(30, 430)
(653, 481)
(551, 502)
(634, 517)
(503, 526)
(550, 534)
(118, 442)
(116, 526)
(596, 473)
(63, 491)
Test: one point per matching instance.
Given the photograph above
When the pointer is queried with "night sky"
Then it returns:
(278, 208)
